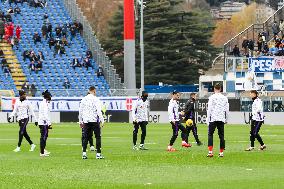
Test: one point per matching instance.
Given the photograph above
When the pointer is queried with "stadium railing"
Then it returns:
(236, 64)
(7, 93)
(251, 32)
(100, 56)
(81, 93)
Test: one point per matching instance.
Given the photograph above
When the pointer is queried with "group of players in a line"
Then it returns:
(91, 121)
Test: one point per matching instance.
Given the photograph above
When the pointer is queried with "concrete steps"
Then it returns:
(14, 65)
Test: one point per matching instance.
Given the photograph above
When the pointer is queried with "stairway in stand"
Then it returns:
(14, 65)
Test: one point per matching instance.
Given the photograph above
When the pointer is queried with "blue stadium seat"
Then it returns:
(55, 69)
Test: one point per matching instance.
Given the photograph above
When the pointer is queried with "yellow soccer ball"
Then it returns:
(189, 122)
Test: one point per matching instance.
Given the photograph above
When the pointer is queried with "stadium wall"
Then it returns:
(118, 109)
(55, 117)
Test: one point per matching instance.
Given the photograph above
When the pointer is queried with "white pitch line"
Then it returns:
(110, 137)
(271, 135)
(249, 169)
(62, 138)
(68, 144)
(150, 143)
(148, 183)
(8, 139)
(241, 141)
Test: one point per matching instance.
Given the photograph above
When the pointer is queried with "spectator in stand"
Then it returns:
(56, 49)
(66, 84)
(6, 71)
(42, 3)
(33, 56)
(251, 47)
(44, 31)
(26, 54)
(281, 51)
(2, 29)
(62, 49)
(18, 32)
(87, 63)
(64, 30)
(40, 56)
(76, 63)
(1, 53)
(2, 15)
(33, 90)
(275, 28)
(49, 30)
(4, 63)
(274, 50)
(51, 42)
(6, 36)
(89, 54)
(19, 1)
(25, 87)
(8, 17)
(11, 30)
(37, 3)
(64, 41)
(10, 10)
(259, 42)
(45, 17)
(100, 71)
(36, 38)
(72, 32)
(58, 30)
(17, 10)
(39, 66)
(15, 42)
(80, 28)
(245, 45)
(265, 48)
(278, 41)
(32, 66)
(236, 51)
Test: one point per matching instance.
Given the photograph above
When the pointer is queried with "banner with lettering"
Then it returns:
(71, 104)
(267, 64)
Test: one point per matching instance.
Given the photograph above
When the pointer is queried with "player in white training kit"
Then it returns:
(256, 121)
(140, 113)
(91, 120)
(174, 114)
(217, 116)
(23, 109)
(44, 122)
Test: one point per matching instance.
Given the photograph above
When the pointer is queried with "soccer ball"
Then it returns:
(189, 122)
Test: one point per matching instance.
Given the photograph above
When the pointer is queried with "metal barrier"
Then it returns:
(7, 93)
(100, 56)
(125, 92)
(236, 64)
(81, 93)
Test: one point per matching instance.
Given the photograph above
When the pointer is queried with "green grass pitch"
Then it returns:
(155, 168)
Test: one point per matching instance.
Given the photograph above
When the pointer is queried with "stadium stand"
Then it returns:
(56, 68)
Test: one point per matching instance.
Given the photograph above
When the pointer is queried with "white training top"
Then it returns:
(44, 113)
(140, 110)
(90, 110)
(218, 108)
(173, 111)
(22, 110)
(257, 110)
